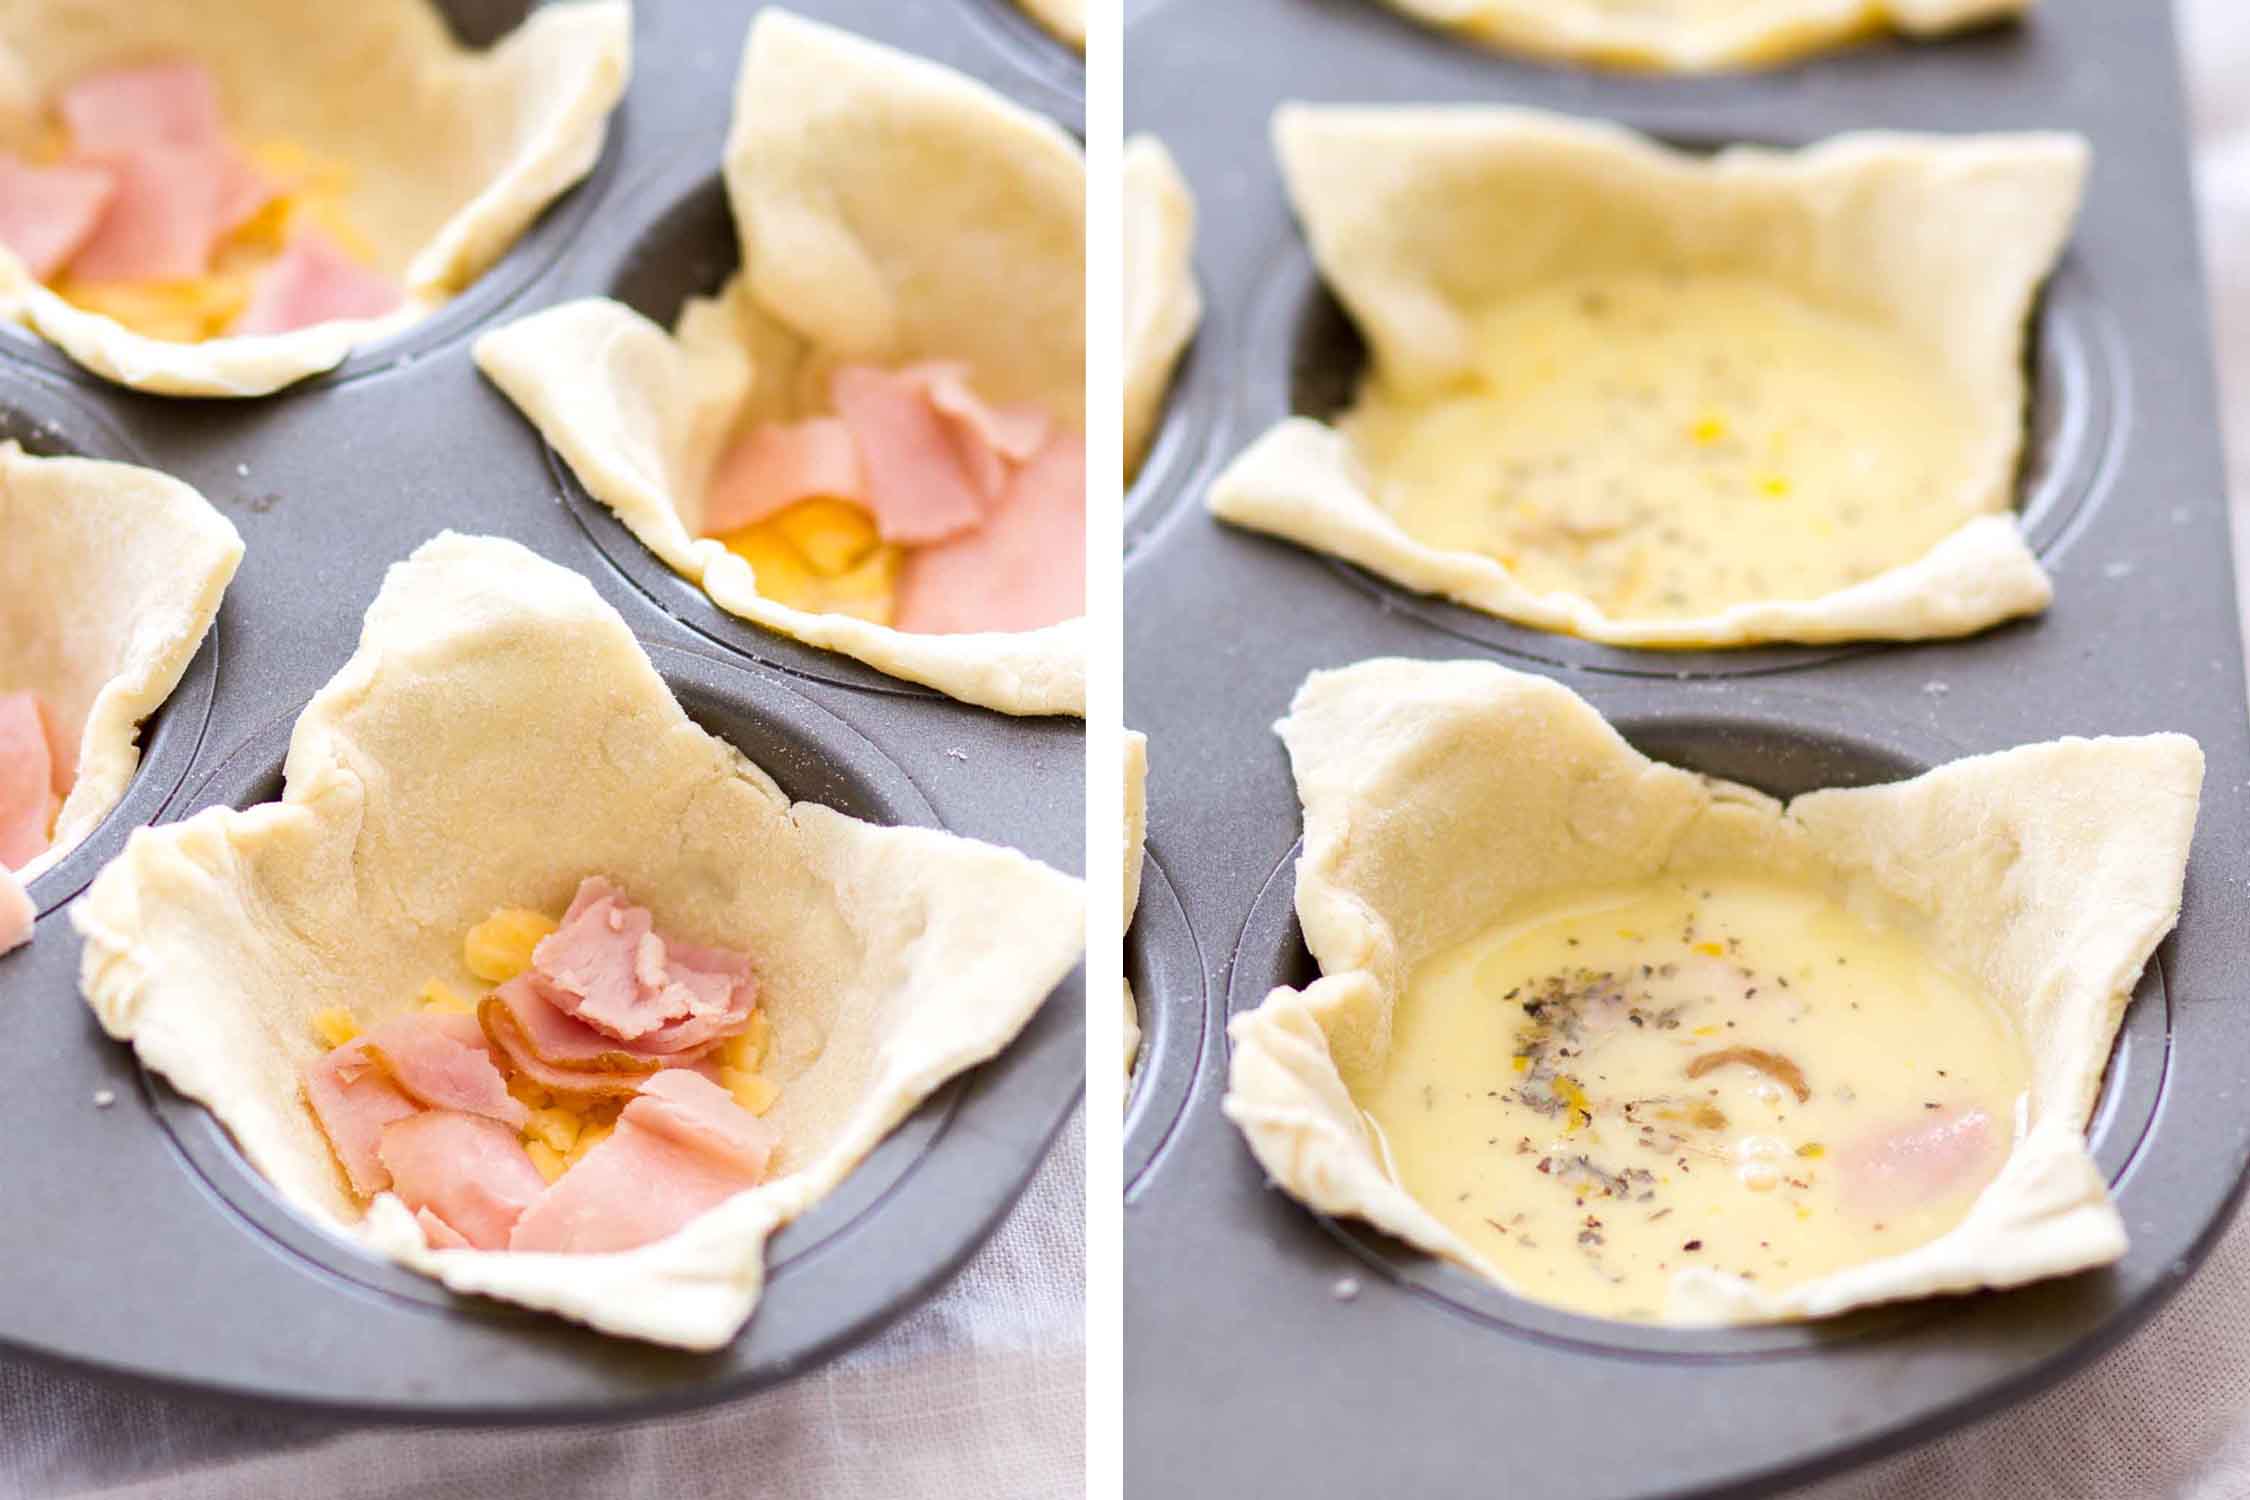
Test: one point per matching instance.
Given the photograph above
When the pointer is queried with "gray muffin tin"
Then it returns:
(139, 1244)
(1269, 1350)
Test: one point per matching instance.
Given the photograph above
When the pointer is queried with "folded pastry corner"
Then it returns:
(1658, 399)
(300, 967)
(869, 440)
(113, 575)
(1445, 801)
(1162, 305)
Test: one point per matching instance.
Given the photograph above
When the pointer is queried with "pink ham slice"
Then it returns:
(444, 1061)
(27, 779)
(499, 1015)
(17, 914)
(170, 209)
(989, 442)
(776, 464)
(47, 213)
(607, 967)
(1901, 1170)
(313, 282)
(554, 1037)
(439, 1234)
(354, 1100)
(469, 1171)
(916, 487)
(1024, 568)
(153, 104)
(681, 1148)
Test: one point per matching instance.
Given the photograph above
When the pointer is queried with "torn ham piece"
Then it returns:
(31, 778)
(313, 282)
(353, 1099)
(606, 966)
(916, 488)
(1023, 569)
(1897, 1171)
(173, 103)
(48, 213)
(682, 1146)
(179, 185)
(444, 1061)
(777, 464)
(467, 1170)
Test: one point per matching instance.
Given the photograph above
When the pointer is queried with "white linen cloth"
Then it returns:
(978, 1395)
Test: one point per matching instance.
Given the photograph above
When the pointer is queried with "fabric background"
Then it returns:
(980, 1393)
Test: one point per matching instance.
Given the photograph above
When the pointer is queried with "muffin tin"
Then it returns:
(1271, 1350)
(140, 1244)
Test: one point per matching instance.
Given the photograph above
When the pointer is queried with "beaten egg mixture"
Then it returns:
(1704, 1070)
(1667, 445)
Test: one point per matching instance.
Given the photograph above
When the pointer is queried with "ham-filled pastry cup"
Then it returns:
(444, 774)
(904, 343)
(139, 142)
(110, 578)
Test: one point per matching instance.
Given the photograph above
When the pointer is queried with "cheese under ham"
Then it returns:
(313, 282)
(354, 1099)
(606, 966)
(17, 914)
(29, 778)
(467, 1170)
(1918, 1164)
(47, 213)
(776, 464)
(682, 1146)
(444, 1061)
(1023, 569)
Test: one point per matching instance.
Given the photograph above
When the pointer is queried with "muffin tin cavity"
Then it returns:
(1053, 65)
(477, 23)
(1306, 358)
(1164, 965)
(51, 423)
(814, 756)
(1784, 761)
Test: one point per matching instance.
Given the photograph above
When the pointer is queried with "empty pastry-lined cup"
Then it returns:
(1657, 399)
(870, 437)
(1648, 1046)
(220, 199)
(576, 1031)
(110, 580)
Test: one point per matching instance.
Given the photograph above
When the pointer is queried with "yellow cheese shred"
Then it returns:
(823, 556)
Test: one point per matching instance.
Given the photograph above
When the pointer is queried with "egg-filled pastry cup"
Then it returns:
(896, 219)
(498, 738)
(378, 153)
(1661, 400)
(1657, 1047)
(1696, 36)
(110, 579)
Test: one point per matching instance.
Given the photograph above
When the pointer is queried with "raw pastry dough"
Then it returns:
(1066, 19)
(519, 124)
(1694, 36)
(1162, 305)
(1136, 836)
(890, 210)
(444, 773)
(1439, 795)
(110, 578)
(1421, 218)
